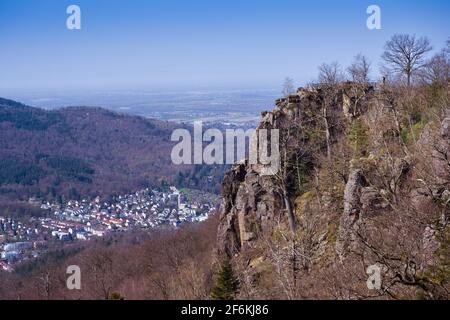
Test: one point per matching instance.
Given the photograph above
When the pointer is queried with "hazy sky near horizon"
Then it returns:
(196, 43)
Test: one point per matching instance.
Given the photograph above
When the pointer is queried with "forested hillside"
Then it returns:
(81, 152)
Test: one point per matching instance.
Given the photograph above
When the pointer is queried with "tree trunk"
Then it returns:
(289, 210)
(327, 133)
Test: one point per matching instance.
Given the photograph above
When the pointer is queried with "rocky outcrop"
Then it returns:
(352, 212)
(248, 210)
(228, 231)
(251, 201)
(374, 188)
(437, 147)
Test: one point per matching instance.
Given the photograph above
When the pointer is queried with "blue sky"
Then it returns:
(196, 43)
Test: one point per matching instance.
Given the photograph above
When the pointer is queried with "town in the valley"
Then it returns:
(86, 219)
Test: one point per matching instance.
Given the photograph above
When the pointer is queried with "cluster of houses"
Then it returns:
(84, 219)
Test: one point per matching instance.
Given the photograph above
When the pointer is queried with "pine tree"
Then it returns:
(115, 296)
(226, 285)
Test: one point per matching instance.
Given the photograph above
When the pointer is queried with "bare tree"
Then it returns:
(437, 69)
(447, 49)
(330, 74)
(284, 176)
(288, 87)
(359, 69)
(405, 55)
(45, 283)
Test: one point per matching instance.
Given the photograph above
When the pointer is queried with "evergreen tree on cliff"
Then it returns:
(226, 285)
